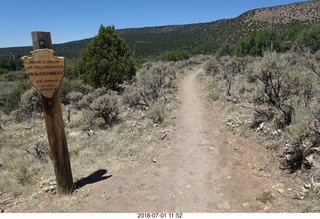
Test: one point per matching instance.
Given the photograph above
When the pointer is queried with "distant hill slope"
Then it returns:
(297, 12)
(197, 38)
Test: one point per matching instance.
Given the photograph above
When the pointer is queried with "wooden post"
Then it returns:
(55, 126)
(41, 40)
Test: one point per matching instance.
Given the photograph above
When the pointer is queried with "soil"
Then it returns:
(200, 167)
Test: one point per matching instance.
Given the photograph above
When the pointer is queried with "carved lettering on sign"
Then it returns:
(45, 71)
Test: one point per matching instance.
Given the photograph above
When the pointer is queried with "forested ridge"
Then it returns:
(200, 38)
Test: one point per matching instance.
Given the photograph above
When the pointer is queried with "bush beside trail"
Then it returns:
(277, 95)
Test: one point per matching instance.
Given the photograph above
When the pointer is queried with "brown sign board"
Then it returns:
(44, 70)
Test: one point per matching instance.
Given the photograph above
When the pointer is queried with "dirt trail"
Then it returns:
(200, 168)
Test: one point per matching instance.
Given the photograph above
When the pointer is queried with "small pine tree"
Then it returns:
(106, 60)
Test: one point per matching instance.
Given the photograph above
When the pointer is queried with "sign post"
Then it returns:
(46, 72)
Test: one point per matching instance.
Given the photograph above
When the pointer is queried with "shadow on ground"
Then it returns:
(92, 178)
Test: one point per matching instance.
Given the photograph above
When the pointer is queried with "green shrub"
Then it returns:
(212, 67)
(87, 99)
(278, 84)
(309, 39)
(12, 101)
(106, 107)
(68, 86)
(3, 71)
(30, 102)
(71, 71)
(225, 49)
(88, 120)
(73, 98)
(174, 56)
(311, 61)
(302, 124)
(106, 60)
(156, 112)
(14, 76)
(257, 43)
(152, 82)
(100, 107)
(11, 64)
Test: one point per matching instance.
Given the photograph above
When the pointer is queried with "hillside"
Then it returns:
(298, 12)
(198, 38)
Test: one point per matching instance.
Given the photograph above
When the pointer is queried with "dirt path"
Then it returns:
(199, 168)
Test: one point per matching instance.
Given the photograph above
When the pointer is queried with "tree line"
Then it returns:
(10, 65)
(303, 37)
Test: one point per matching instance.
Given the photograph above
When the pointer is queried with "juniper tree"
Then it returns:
(106, 60)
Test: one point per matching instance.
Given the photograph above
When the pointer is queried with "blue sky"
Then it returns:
(70, 20)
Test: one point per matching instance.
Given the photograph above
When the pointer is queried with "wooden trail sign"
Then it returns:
(46, 73)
